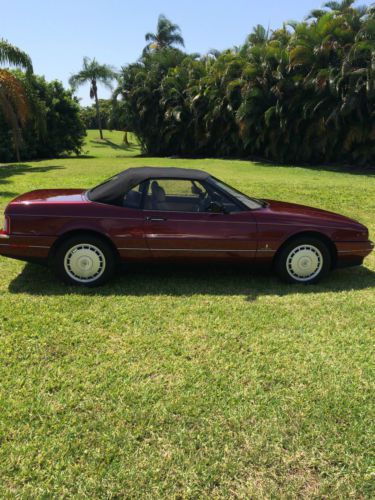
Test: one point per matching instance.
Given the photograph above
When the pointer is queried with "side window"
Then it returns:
(133, 198)
(216, 196)
(175, 195)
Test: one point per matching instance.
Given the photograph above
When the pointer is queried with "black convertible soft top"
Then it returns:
(121, 183)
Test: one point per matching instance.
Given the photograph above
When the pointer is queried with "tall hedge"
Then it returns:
(303, 93)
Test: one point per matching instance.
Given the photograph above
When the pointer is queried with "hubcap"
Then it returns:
(304, 262)
(84, 263)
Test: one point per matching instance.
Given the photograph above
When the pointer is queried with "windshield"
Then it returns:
(252, 203)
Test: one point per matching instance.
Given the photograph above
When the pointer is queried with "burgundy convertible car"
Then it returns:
(173, 214)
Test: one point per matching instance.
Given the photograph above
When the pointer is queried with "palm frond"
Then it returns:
(13, 90)
(92, 70)
(9, 54)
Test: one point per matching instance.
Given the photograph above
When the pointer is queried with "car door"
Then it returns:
(176, 230)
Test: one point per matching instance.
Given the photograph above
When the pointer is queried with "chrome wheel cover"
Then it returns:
(304, 262)
(84, 263)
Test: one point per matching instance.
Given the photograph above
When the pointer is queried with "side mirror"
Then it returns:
(216, 208)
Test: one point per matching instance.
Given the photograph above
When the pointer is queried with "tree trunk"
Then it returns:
(125, 139)
(17, 138)
(98, 117)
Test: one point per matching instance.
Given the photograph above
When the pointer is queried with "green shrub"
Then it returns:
(54, 127)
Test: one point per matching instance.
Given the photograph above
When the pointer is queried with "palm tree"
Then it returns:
(259, 35)
(94, 73)
(339, 7)
(9, 54)
(13, 100)
(343, 7)
(167, 34)
(315, 14)
(304, 94)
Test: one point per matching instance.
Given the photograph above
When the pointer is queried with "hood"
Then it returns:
(305, 213)
(50, 196)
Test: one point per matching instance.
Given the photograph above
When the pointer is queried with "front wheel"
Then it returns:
(84, 260)
(303, 260)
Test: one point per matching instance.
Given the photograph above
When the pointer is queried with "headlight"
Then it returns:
(364, 234)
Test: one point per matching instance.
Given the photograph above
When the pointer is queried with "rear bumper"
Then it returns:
(352, 253)
(25, 247)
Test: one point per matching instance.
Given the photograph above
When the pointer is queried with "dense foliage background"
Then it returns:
(303, 93)
(111, 119)
(53, 127)
(89, 114)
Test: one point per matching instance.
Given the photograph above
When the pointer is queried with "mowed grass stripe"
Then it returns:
(188, 381)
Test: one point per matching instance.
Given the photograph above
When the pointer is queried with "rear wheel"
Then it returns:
(84, 260)
(303, 260)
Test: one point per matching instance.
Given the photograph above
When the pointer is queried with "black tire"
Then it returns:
(95, 252)
(314, 258)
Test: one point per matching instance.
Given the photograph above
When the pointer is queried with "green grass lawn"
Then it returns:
(175, 382)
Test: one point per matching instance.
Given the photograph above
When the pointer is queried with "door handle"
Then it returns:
(155, 219)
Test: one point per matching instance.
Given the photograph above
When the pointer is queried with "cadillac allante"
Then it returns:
(174, 214)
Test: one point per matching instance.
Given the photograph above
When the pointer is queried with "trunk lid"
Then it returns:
(50, 196)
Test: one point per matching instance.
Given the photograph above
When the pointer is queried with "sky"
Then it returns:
(58, 34)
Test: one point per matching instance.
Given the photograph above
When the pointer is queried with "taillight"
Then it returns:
(7, 225)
